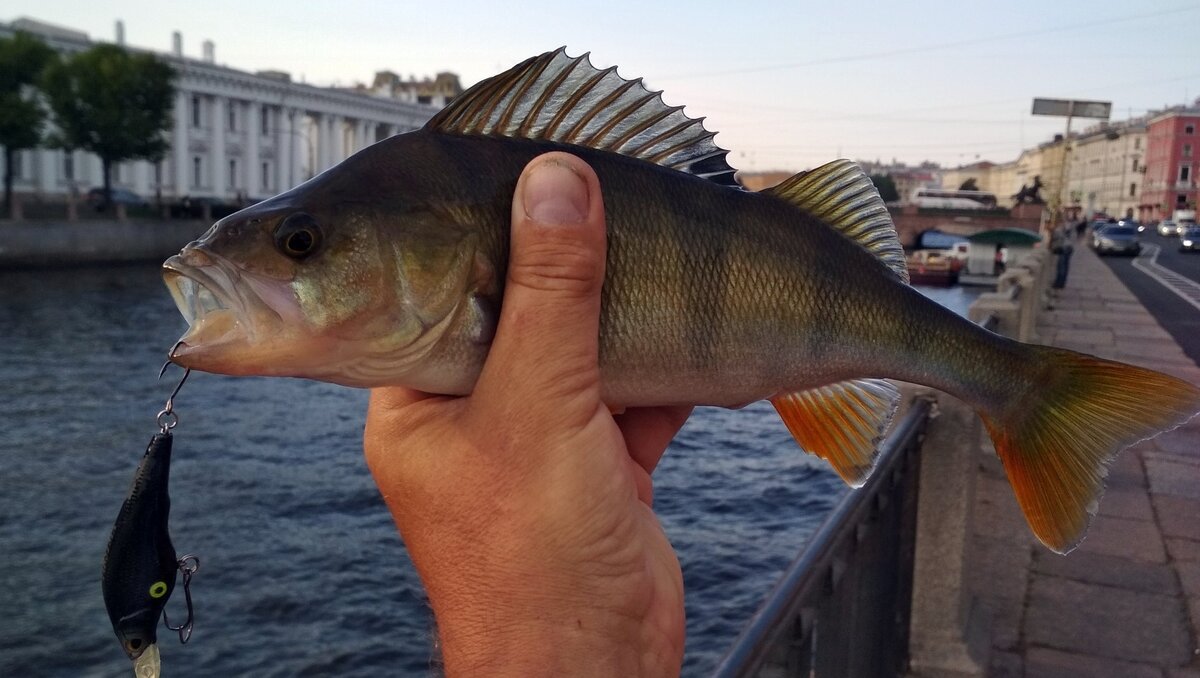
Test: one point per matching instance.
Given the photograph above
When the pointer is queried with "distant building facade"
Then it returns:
(1105, 170)
(236, 135)
(1172, 152)
(437, 91)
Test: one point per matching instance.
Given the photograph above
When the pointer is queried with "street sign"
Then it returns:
(1072, 108)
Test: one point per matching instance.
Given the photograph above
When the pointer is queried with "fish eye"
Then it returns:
(298, 236)
(135, 643)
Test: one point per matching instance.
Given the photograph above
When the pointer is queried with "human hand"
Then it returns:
(525, 506)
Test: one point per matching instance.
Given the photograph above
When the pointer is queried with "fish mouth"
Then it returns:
(225, 315)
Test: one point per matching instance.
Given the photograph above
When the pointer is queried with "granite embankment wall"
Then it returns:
(27, 244)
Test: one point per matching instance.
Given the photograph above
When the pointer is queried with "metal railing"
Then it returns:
(842, 608)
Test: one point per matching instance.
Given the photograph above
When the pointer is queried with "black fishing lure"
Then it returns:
(140, 565)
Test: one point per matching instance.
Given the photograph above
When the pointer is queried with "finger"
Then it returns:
(648, 431)
(547, 338)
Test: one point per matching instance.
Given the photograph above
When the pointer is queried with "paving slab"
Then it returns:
(1189, 577)
(1006, 665)
(1123, 501)
(1183, 549)
(1178, 516)
(1169, 475)
(1141, 331)
(1089, 336)
(1048, 663)
(1182, 441)
(1135, 539)
(1108, 622)
(1115, 571)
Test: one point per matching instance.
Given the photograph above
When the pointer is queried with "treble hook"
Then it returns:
(167, 419)
(188, 566)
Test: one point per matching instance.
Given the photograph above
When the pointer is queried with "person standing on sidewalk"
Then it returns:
(1061, 245)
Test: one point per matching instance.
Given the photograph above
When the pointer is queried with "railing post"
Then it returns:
(949, 630)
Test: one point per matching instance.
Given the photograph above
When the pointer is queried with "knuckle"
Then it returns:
(557, 266)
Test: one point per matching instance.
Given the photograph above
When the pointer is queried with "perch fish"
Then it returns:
(388, 269)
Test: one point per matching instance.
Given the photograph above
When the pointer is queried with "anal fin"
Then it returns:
(842, 423)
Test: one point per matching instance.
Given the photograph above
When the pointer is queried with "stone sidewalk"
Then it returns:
(1127, 601)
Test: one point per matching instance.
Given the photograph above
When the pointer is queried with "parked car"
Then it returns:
(193, 208)
(1189, 239)
(1167, 227)
(120, 196)
(1116, 239)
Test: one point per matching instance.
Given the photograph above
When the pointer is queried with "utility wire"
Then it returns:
(927, 48)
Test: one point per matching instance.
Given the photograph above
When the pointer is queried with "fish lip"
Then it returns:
(216, 308)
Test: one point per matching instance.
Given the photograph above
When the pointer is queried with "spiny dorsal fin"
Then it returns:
(842, 195)
(841, 423)
(554, 97)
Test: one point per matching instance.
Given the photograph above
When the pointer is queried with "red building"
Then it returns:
(1172, 159)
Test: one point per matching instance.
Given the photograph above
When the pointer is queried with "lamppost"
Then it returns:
(1069, 109)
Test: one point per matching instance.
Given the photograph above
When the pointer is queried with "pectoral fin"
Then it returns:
(841, 423)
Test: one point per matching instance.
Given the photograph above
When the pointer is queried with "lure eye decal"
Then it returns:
(158, 589)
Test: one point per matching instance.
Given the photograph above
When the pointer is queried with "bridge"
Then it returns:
(931, 571)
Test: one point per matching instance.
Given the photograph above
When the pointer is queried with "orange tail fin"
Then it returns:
(1056, 444)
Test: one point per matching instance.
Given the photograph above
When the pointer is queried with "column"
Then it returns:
(141, 178)
(362, 135)
(47, 179)
(285, 141)
(179, 144)
(337, 126)
(95, 171)
(217, 153)
(253, 172)
(323, 143)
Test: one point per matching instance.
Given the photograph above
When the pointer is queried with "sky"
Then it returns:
(788, 85)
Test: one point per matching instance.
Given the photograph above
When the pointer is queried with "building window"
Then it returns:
(265, 117)
(232, 117)
(68, 165)
(1189, 129)
(1133, 190)
(266, 176)
(1134, 168)
(1137, 143)
(424, 99)
(1185, 173)
(1187, 150)
(233, 182)
(197, 174)
(1181, 200)
(196, 112)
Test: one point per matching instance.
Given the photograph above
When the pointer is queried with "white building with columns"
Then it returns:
(237, 136)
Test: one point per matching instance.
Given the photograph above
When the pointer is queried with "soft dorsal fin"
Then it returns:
(554, 97)
(842, 195)
(841, 423)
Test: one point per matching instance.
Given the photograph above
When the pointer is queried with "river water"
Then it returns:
(303, 573)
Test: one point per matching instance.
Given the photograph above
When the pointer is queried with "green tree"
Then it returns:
(886, 187)
(112, 103)
(23, 58)
(969, 185)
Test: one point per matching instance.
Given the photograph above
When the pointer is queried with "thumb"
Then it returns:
(547, 338)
